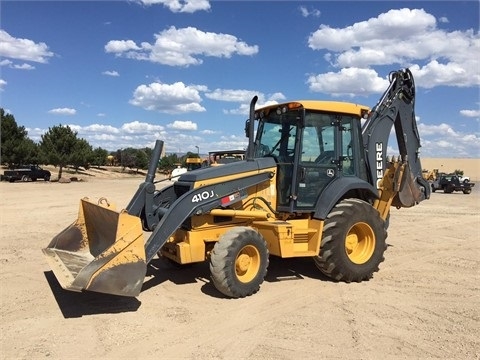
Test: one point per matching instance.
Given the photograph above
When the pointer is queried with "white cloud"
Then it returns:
(244, 97)
(348, 81)
(23, 66)
(169, 98)
(230, 142)
(403, 37)
(209, 132)
(176, 6)
(111, 73)
(231, 95)
(140, 127)
(182, 125)
(99, 128)
(12, 65)
(23, 49)
(119, 46)
(470, 113)
(3, 83)
(436, 74)
(276, 97)
(306, 13)
(63, 111)
(443, 140)
(182, 47)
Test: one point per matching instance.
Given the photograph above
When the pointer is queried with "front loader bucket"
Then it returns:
(102, 251)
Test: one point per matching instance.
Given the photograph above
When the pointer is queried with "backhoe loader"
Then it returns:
(315, 183)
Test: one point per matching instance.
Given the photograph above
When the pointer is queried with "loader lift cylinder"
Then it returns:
(142, 201)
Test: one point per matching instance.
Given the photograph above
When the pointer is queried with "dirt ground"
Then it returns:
(422, 304)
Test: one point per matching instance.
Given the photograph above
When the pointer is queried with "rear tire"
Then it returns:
(353, 242)
(448, 189)
(25, 178)
(467, 191)
(238, 262)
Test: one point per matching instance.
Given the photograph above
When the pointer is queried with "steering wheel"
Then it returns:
(324, 156)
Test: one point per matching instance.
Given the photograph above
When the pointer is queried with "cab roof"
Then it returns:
(318, 105)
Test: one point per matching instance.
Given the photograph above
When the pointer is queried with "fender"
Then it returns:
(336, 189)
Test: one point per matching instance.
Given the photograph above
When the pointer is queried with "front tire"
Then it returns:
(238, 262)
(353, 242)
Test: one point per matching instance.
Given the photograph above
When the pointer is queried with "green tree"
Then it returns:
(82, 155)
(99, 157)
(142, 160)
(168, 163)
(16, 147)
(134, 159)
(58, 145)
(128, 158)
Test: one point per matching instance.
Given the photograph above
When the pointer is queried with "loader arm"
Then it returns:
(399, 182)
(196, 202)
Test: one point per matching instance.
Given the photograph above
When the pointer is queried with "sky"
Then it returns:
(126, 73)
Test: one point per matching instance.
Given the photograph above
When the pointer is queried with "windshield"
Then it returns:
(276, 135)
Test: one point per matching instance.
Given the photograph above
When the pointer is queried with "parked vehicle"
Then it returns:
(194, 163)
(26, 173)
(452, 182)
(179, 170)
(431, 175)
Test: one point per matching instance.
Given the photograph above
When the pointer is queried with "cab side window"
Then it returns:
(347, 148)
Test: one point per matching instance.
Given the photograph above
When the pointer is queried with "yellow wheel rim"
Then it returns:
(247, 264)
(360, 243)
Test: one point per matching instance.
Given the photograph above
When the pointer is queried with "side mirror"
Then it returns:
(247, 127)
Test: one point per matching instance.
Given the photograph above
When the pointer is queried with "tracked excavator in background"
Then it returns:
(315, 183)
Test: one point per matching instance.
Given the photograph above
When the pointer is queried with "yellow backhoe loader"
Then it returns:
(314, 183)
(194, 163)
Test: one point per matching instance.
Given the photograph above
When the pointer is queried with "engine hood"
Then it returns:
(237, 167)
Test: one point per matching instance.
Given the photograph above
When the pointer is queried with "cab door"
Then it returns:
(317, 163)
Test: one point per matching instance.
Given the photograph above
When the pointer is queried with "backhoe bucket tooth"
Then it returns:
(102, 251)
(410, 192)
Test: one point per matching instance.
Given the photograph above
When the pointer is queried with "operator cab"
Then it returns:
(313, 143)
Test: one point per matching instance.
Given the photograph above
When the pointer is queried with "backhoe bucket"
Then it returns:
(102, 251)
(409, 192)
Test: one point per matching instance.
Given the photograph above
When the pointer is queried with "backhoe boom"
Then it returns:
(396, 108)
